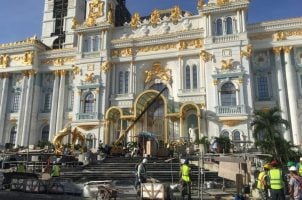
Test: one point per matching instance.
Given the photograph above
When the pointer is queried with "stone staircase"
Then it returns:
(122, 169)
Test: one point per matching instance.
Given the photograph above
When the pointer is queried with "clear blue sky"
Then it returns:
(23, 18)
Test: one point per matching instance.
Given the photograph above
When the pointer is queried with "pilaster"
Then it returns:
(61, 103)
(4, 94)
(54, 103)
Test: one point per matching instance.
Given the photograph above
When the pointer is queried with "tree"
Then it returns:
(268, 130)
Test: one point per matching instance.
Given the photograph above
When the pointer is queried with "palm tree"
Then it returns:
(268, 127)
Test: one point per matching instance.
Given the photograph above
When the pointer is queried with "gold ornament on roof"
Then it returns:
(200, 4)
(155, 17)
(175, 14)
(247, 53)
(280, 35)
(222, 2)
(105, 67)
(157, 71)
(4, 61)
(227, 64)
(135, 19)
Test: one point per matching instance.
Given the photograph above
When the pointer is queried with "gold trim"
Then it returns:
(175, 14)
(227, 64)
(247, 52)
(58, 61)
(135, 19)
(106, 66)
(231, 122)
(155, 17)
(277, 50)
(4, 61)
(205, 56)
(157, 71)
(287, 49)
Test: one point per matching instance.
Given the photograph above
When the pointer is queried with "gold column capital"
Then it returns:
(57, 72)
(277, 50)
(287, 49)
(4, 75)
(63, 72)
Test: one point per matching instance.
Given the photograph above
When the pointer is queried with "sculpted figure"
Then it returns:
(135, 20)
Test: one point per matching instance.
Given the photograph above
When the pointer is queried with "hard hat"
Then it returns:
(290, 163)
(267, 166)
(300, 158)
(273, 163)
(186, 161)
(145, 160)
(292, 169)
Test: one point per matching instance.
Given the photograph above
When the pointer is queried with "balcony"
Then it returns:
(87, 116)
(230, 110)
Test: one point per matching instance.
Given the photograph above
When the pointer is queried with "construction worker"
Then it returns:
(263, 182)
(55, 171)
(186, 179)
(21, 167)
(276, 182)
(141, 173)
(295, 184)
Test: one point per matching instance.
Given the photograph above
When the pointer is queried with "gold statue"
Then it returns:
(75, 70)
(157, 72)
(95, 11)
(110, 18)
(4, 60)
(175, 14)
(205, 56)
(155, 17)
(28, 58)
(222, 2)
(227, 64)
(135, 19)
(280, 35)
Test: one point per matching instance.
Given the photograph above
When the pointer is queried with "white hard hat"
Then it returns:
(145, 160)
(292, 169)
(300, 158)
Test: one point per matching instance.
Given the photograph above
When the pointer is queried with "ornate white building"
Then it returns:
(97, 68)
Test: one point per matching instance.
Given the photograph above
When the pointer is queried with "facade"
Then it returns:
(97, 68)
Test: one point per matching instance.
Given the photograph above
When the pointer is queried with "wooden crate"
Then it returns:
(153, 191)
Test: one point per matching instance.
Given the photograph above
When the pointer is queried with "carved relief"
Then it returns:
(106, 66)
(280, 35)
(74, 23)
(28, 58)
(157, 71)
(4, 61)
(247, 52)
(200, 4)
(75, 70)
(89, 78)
(58, 61)
(96, 8)
(227, 64)
(222, 2)
(205, 56)
(155, 17)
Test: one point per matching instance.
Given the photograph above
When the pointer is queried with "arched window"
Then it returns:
(16, 102)
(47, 102)
(188, 77)
(228, 94)
(219, 27)
(194, 76)
(229, 25)
(45, 134)
(236, 136)
(13, 135)
(225, 134)
(89, 103)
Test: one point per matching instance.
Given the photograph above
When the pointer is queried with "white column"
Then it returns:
(102, 40)
(281, 89)
(3, 105)
(131, 89)
(243, 20)
(210, 26)
(181, 69)
(238, 21)
(54, 103)
(207, 25)
(241, 92)
(28, 109)
(21, 110)
(292, 95)
(202, 73)
(61, 102)
(80, 42)
(113, 79)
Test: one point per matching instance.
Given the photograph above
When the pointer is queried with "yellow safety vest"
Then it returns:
(261, 181)
(55, 171)
(185, 173)
(275, 176)
(300, 169)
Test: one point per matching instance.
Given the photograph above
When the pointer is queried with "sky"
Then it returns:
(20, 19)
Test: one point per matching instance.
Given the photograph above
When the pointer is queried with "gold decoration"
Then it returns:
(4, 75)
(280, 35)
(261, 36)
(135, 19)
(287, 49)
(75, 70)
(28, 73)
(57, 72)
(63, 72)
(248, 52)
(122, 52)
(231, 122)
(28, 58)
(227, 64)
(4, 61)
(105, 67)
(110, 18)
(155, 17)
(74, 23)
(156, 48)
(95, 11)
(206, 56)
(200, 4)
(277, 50)
(89, 78)
(182, 45)
(157, 71)
(30, 40)
(58, 61)
(215, 82)
(175, 14)
(222, 2)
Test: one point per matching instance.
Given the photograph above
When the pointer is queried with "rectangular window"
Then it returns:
(47, 102)
(194, 76)
(120, 84)
(16, 102)
(126, 82)
(188, 78)
(263, 92)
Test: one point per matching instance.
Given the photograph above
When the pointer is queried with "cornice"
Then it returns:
(239, 4)
(55, 53)
(98, 27)
(275, 25)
